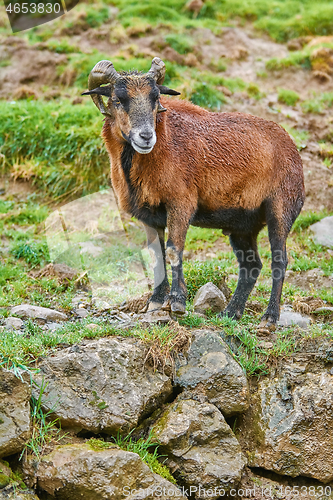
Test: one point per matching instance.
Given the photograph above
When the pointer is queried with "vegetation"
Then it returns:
(55, 146)
(44, 430)
(289, 97)
(140, 446)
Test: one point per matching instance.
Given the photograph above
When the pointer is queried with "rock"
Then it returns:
(102, 385)
(200, 446)
(12, 323)
(288, 428)
(29, 311)
(13, 493)
(290, 318)
(266, 345)
(93, 326)
(158, 316)
(78, 471)
(101, 305)
(54, 326)
(323, 232)
(210, 372)
(81, 312)
(14, 413)
(209, 297)
(90, 248)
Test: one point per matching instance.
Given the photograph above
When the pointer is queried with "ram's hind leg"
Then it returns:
(246, 251)
(156, 247)
(279, 221)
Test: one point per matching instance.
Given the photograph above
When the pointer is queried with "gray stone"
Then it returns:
(54, 326)
(201, 447)
(90, 248)
(210, 372)
(81, 312)
(288, 428)
(78, 471)
(101, 305)
(29, 311)
(14, 413)
(12, 323)
(102, 385)
(209, 297)
(290, 318)
(323, 232)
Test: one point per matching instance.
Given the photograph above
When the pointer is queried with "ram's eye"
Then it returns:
(116, 101)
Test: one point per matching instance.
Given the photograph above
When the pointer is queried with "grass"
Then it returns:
(199, 273)
(288, 97)
(43, 430)
(299, 59)
(281, 19)
(57, 148)
(163, 342)
(182, 43)
(318, 103)
(141, 447)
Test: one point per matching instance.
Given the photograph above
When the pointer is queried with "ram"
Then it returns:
(174, 164)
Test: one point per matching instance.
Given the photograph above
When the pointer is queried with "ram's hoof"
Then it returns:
(154, 306)
(178, 308)
(266, 327)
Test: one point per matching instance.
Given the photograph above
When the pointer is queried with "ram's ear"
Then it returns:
(106, 91)
(167, 91)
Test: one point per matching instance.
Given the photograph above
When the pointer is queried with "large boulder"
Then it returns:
(201, 448)
(102, 385)
(14, 413)
(209, 372)
(79, 471)
(288, 428)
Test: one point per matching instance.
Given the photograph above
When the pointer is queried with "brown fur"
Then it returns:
(228, 160)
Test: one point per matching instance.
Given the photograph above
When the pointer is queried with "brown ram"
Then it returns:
(232, 171)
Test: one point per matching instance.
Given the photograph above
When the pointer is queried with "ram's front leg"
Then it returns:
(178, 223)
(156, 247)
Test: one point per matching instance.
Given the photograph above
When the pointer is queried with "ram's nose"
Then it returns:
(146, 135)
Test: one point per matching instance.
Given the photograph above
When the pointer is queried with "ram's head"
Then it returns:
(134, 100)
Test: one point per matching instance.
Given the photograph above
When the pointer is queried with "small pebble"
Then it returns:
(54, 326)
(13, 323)
(92, 326)
(82, 313)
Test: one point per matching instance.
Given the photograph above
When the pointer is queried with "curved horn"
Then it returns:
(103, 72)
(157, 70)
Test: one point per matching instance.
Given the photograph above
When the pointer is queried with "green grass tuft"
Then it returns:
(289, 97)
(199, 273)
